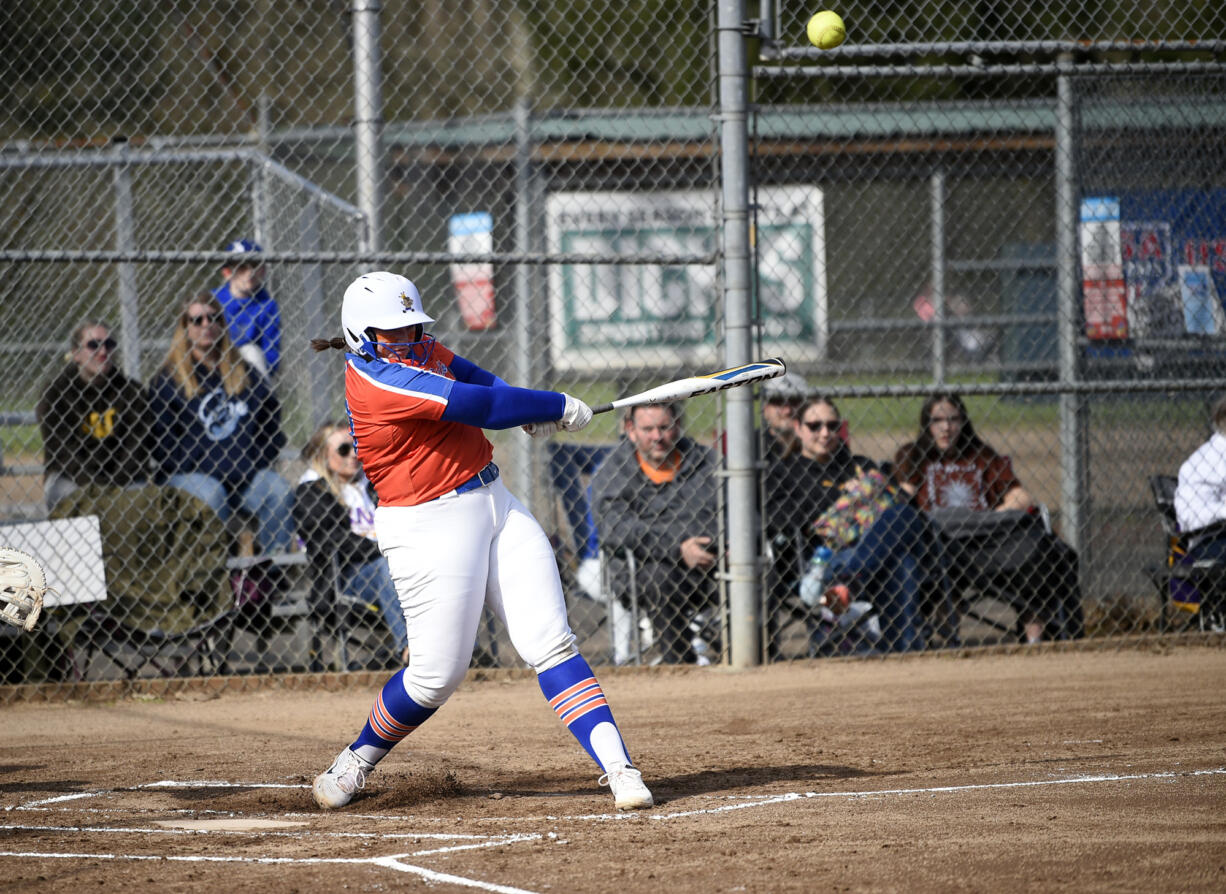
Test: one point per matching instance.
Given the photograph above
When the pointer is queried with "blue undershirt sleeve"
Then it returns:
(467, 371)
(501, 406)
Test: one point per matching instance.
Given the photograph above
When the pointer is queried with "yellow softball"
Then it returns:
(826, 30)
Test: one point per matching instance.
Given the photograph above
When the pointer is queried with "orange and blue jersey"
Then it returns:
(418, 428)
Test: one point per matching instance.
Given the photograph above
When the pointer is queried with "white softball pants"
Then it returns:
(454, 555)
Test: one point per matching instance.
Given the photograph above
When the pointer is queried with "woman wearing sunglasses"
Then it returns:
(334, 512)
(219, 424)
(893, 560)
(94, 419)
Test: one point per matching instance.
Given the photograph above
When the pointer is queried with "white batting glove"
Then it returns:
(576, 415)
(541, 429)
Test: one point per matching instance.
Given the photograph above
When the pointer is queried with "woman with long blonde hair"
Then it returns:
(219, 425)
(334, 512)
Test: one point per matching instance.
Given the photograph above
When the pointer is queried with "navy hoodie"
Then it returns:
(228, 438)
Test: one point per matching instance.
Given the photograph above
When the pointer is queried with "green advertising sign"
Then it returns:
(654, 315)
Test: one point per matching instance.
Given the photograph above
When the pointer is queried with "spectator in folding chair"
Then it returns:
(655, 495)
(94, 419)
(334, 512)
(1200, 496)
(884, 551)
(218, 425)
(948, 466)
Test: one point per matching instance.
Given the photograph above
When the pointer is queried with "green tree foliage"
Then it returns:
(82, 72)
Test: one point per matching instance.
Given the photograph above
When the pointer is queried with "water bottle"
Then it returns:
(813, 583)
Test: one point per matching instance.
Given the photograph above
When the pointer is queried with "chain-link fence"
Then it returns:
(1015, 207)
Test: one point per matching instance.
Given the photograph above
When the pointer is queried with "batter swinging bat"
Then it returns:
(681, 389)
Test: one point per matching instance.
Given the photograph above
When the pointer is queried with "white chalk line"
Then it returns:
(162, 783)
(943, 789)
(431, 875)
(751, 800)
(394, 862)
(216, 783)
(478, 840)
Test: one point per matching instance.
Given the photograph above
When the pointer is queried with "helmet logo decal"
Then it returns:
(406, 301)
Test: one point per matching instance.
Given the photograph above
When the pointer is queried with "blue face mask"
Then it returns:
(414, 353)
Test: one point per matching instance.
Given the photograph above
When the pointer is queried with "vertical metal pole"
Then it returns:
(741, 475)
(529, 455)
(368, 114)
(768, 26)
(129, 316)
(938, 276)
(1073, 421)
(319, 375)
(259, 182)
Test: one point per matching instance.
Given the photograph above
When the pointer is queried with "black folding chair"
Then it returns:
(994, 558)
(200, 649)
(1196, 588)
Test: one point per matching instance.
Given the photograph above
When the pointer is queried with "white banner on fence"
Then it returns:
(651, 315)
(70, 551)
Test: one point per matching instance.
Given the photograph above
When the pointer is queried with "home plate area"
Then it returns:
(147, 822)
(263, 828)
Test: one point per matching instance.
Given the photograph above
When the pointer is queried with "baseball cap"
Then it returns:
(242, 246)
(787, 388)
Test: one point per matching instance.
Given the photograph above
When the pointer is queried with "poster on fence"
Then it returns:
(471, 234)
(1102, 269)
(654, 315)
(1154, 264)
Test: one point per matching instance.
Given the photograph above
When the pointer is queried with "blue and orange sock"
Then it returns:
(393, 717)
(575, 695)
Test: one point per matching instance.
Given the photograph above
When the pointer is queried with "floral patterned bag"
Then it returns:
(862, 502)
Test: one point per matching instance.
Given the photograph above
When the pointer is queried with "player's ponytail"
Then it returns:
(322, 344)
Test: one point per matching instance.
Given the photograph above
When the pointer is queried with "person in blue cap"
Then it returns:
(253, 316)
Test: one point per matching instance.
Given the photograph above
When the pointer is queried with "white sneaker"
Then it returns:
(629, 793)
(336, 786)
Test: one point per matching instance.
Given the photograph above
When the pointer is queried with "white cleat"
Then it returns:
(629, 793)
(336, 786)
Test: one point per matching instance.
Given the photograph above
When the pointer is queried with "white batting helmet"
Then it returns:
(379, 300)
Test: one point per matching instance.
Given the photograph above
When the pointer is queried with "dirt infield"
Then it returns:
(1049, 770)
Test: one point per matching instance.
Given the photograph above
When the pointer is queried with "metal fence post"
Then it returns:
(129, 317)
(1073, 423)
(937, 185)
(742, 485)
(529, 326)
(318, 369)
(368, 114)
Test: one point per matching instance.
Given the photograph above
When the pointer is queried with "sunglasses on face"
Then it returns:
(94, 344)
(344, 449)
(821, 423)
(204, 319)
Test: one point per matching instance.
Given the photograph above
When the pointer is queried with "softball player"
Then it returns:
(454, 537)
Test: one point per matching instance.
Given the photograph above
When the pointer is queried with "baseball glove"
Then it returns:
(22, 587)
